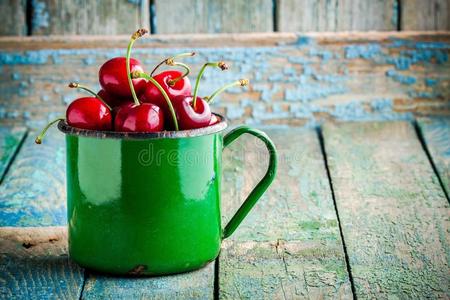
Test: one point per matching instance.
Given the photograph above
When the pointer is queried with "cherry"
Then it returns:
(89, 113)
(168, 102)
(111, 100)
(196, 114)
(145, 117)
(190, 117)
(223, 66)
(137, 117)
(180, 88)
(86, 113)
(113, 77)
(114, 74)
(173, 82)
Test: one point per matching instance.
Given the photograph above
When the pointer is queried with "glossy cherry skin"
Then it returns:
(187, 117)
(89, 113)
(151, 93)
(113, 101)
(113, 77)
(146, 117)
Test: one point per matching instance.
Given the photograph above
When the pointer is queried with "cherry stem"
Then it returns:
(172, 82)
(134, 37)
(241, 82)
(76, 85)
(137, 74)
(41, 135)
(219, 64)
(169, 61)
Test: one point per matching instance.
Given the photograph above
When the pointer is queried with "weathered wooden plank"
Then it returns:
(266, 39)
(436, 133)
(336, 15)
(289, 245)
(13, 14)
(213, 16)
(425, 15)
(34, 264)
(88, 17)
(193, 285)
(304, 80)
(393, 212)
(10, 139)
(282, 270)
(33, 191)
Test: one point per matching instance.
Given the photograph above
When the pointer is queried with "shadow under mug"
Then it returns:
(149, 203)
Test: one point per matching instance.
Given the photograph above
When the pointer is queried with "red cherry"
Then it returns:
(188, 118)
(181, 88)
(145, 117)
(89, 113)
(113, 77)
(111, 100)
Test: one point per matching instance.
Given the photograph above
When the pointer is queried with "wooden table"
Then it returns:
(357, 210)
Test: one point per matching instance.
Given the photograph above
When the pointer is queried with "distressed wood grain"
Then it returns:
(88, 17)
(193, 285)
(336, 15)
(436, 133)
(13, 13)
(425, 15)
(10, 139)
(213, 16)
(34, 264)
(393, 212)
(289, 245)
(295, 80)
(33, 191)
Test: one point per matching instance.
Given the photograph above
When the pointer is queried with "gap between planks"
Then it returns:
(426, 148)
(22, 133)
(325, 161)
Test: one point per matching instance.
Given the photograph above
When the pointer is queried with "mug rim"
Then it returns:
(216, 128)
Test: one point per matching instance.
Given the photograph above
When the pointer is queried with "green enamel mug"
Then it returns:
(149, 203)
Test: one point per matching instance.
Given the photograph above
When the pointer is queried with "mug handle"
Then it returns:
(262, 186)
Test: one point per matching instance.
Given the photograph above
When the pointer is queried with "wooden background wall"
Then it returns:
(72, 17)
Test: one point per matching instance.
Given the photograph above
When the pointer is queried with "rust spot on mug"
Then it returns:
(138, 270)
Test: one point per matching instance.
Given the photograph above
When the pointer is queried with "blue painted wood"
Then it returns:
(289, 246)
(193, 285)
(294, 79)
(10, 139)
(392, 210)
(436, 133)
(33, 192)
(34, 264)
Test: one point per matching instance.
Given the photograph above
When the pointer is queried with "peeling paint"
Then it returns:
(16, 76)
(421, 94)
(40, 14)
(287, 82)
(365, 51)
(430, 81)
(404, 79)
(308, 92)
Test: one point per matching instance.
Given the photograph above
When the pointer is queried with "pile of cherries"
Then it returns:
(133, 101)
